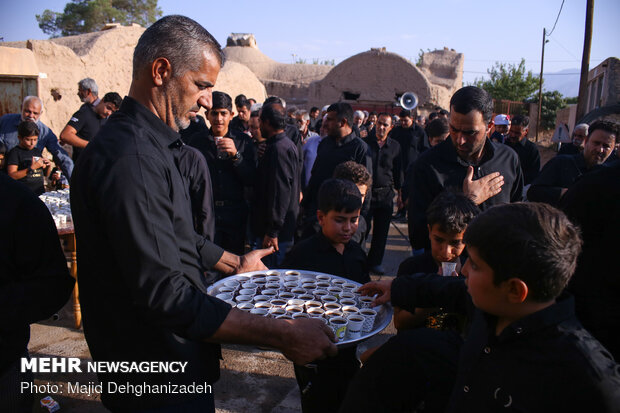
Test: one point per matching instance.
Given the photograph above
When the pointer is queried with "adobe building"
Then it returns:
(52, 68)
(370, 80)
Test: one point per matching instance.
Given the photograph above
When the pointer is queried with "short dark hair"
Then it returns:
(239, 99)
(452, 211)
(531, 241)
(221, 100)
(444, 112)
(372, 113)
(354, 172)
(255, 114)
(243, 104)
(313, 108)
(520, 120)
(274, 114)
(339, 195)
(437, 127)
(405, 113)
(605, 125)
(114, 98)
(386, 114)
(27, 128)
(433, 115)
(470, 98)
(273, 99)
(178, 39)
(2, 148)
(343, 110)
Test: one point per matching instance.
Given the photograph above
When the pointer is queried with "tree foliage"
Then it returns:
(551, 103)
(509, 81)
(85, 16)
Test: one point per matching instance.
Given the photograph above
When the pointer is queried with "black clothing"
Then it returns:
(237, 124)
(559, 172)
(317, 254)
(440, 168)
(23, 159)
(360, 234)
(138, 250)
(387, 170)
(276, 191)
(529, 157)
(423, 263)
(295, 135)
(413, 141)
(197, 126)
(593, 203)
(412, 368)
(547, 344)
(386, 176)
(194, 169)
(554, 365)
(330, 154)
(230, 179)
(313, 124)
(324, 385)
(34, 280)
(569, 149)
(86, 123)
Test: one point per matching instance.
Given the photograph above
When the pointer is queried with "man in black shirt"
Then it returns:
(340, 145)
(413, 141)
(529, 157)
(276, 192)
(141, 261)
(385, 154)
(488, 173)
(232, 165)
(86, 122)
(564, 170)
(593, 204)
(34, 283)
(241, 122)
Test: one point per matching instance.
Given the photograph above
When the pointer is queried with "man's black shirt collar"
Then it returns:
(449, 154)
(162, 133)
(344, 140)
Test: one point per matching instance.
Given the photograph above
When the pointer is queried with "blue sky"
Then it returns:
(486, 31)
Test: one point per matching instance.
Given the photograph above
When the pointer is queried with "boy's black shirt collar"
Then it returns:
(563, 309)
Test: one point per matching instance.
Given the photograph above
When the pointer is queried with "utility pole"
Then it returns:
(582, 103)
(540, 82)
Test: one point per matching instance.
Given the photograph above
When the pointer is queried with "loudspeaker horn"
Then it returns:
(408, 100)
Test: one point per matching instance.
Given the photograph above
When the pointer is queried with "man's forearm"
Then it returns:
(228, 264)
(70, 137)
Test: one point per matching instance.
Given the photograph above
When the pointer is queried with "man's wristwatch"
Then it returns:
(236, 157)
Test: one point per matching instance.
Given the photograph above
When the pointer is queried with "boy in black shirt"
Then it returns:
(447, 218)
(25, 162)
(525, 350)
(324, 383)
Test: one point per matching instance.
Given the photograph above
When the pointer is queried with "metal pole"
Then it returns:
(540, 82)
(582, 102)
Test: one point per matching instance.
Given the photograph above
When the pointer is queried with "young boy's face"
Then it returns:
(445, 246)
(28, 142)
(479, 280)
(338, 226)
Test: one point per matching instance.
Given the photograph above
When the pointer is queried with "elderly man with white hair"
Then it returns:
(580, 133)
(32, 108)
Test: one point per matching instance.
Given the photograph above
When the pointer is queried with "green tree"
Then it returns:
(510, 82)
(551, 103)
(85, 16)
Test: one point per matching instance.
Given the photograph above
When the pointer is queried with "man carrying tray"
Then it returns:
(140, 260)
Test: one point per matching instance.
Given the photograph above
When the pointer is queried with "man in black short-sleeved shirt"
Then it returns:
(86, 122)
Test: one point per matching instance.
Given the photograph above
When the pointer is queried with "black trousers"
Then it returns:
(12, 400)
(414, 371)
(323, 387)
(381, 215)
(230, 226)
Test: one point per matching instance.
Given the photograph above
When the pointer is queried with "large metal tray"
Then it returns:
(384, 312)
